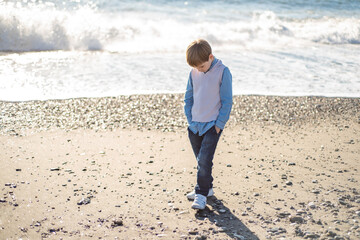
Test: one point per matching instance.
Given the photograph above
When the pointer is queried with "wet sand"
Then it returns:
(107, 168)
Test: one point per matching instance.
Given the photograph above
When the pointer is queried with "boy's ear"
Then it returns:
(211, 57)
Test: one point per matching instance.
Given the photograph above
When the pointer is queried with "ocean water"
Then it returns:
(67, 49)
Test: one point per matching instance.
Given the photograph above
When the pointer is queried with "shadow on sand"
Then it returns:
(225, 220)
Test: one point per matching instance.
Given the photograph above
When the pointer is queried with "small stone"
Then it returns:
(228, 165)
(316, 191)
(84, 201)
(301, 211)
(331, 233)
(55, 169)
(18, 169)
(117, 223)
(312, 205)
(222, 211)
(202, 237)
(292, 164)
(296, 219)
(184, 212)
(193, 232)
(311, 235)
(283, 214)
(289, 183)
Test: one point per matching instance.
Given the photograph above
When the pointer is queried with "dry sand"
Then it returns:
(285, 167)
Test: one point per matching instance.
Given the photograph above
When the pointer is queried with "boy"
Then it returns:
(208, 102)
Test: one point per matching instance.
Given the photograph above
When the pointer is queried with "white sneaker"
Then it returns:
(199, 202)
(191, 196)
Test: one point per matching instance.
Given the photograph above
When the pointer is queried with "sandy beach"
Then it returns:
(120, 168)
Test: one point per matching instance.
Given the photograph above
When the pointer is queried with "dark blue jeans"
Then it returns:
(204, 148)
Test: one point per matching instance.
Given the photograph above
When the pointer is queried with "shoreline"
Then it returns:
(177, 93)
(165, 112)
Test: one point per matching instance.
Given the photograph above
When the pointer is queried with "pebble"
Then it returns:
(84, 201)
(277, 231)
(128, 111)
(289, 183)
(312, 205)
(311, 236)
(283, 214)
(301, 211)
(296, 219)
(184, 212)
(202, 237)
(55, 169)
(117, 222)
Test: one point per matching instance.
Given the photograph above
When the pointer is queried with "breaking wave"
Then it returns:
(24, 29)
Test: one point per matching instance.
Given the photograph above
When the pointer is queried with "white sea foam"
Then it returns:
(45, 28)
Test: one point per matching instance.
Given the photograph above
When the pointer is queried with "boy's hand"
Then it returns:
(217, 129)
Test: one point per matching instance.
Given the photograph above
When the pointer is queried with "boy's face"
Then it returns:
(204, 67)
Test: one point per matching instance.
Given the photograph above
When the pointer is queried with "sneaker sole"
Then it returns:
(193, 207)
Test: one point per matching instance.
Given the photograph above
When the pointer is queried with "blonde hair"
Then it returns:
(198, 52)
